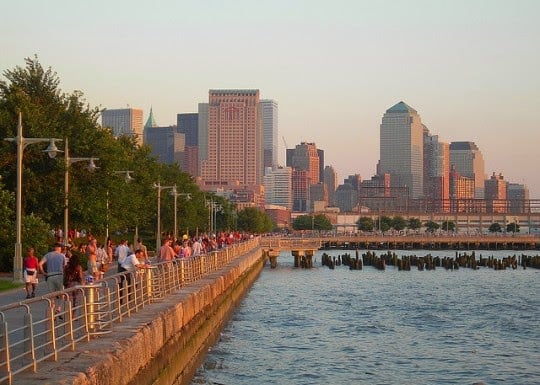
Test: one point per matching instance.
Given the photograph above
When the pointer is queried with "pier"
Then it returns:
(303, 248)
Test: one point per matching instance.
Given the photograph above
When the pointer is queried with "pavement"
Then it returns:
(19, 294)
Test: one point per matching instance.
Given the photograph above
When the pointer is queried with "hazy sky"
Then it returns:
(471, 68)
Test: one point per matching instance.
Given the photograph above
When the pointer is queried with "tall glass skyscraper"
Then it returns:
(269, 112)
(402, 149)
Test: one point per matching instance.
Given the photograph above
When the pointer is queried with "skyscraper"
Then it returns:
(305, 157)
(188, 124)
(436, 172)
(235, 140)
(124, 121)
(469, 162)
(402, 149)
(331, 181)
(269, 112)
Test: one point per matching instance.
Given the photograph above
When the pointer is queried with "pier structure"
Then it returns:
(303, 248)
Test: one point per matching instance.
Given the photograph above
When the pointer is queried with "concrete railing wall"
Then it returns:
(164, 343)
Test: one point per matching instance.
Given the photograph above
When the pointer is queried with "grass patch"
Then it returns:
(8, 285)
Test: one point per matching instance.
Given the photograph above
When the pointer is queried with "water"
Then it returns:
(323, 326)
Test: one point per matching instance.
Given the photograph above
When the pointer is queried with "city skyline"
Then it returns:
(467, 67)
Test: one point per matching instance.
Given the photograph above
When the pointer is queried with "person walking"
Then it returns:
(166, 252)
(73, 275)
(30, 264)
(55, 261)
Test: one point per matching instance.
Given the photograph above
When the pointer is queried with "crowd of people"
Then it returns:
(63, 267)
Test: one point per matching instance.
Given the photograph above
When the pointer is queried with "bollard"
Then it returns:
(98, 312)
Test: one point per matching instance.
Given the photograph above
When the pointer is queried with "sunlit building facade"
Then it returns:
(124, 121)
(469, 162)
(402, 149)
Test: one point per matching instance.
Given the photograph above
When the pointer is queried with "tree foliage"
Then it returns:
(254, 220)
(399, 223)
(449, 226)
(495, 228)
(512, 228)
(312, 222)
(414, 223)
(365, 224)
(431, 226)
(96, 200)
(383, 223)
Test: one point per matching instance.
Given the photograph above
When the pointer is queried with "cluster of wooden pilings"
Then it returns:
(429, 262)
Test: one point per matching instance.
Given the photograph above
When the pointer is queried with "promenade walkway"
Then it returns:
(32, 336)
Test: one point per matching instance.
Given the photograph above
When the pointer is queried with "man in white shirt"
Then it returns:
(121, 252)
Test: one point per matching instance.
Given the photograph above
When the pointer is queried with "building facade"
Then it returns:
(188, 124)
(495, 194)
(278, 186)
(331, 182)
(402, 148)
(469, 162)
(234, 153)
(436, 172)
(124, 121)
(269, 113)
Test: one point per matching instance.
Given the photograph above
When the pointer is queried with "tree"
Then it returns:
(448, 226)
(383, 223)
(414, 223)
(322, 222)
(254, 220)
(495, 228)
(512, 228)
(398, 223)
(365, 224)
(96, 200)
(431, 226)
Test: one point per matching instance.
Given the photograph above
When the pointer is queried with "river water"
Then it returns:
(322, 326)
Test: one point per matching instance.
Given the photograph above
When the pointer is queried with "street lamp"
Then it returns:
(127, 178)
(176, 194)
(214, 208)
(158, 231)
(68, 161)
(22, 142)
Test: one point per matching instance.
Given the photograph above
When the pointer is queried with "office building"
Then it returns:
(495, 194)
(188, 124)
(167, 144)
(234, 140)
(469, 162)
(402, 149)
(518, 198)
(124, 121)
(331, 181)
(269, 113)
(278, 186)
(305, 157)
(436, 172)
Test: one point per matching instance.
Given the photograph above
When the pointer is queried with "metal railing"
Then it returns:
(39, 328)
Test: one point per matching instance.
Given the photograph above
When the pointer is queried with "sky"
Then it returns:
(471, 68)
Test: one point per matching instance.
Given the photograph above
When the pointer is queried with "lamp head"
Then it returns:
(92, 165)
(51, 149)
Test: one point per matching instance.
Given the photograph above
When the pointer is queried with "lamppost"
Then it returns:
(22, 143)
(68, 161)
(214, 208)
(158, 231)
(127, 178)
(176, 194)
